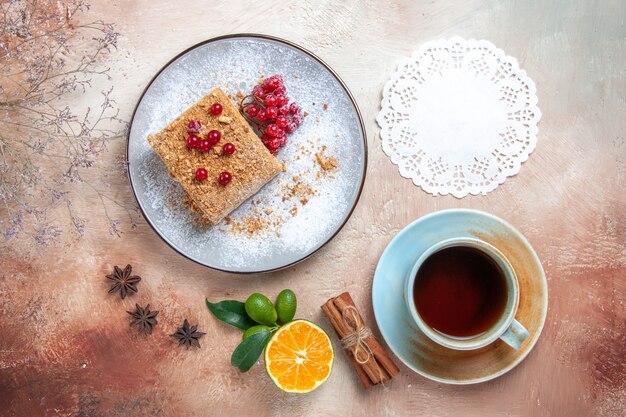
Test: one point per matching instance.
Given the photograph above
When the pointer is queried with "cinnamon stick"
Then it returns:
(342, 302)
(341, 327)
(378, 367)
(365, 381)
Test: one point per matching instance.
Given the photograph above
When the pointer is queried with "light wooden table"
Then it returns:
(65, 346)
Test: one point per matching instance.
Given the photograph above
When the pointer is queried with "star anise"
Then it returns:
(123, 281)
(188, 335)
(143, 318)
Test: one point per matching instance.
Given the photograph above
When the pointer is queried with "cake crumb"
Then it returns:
(325, 106)
(294, 210)
(300, 189)
(250, 225)
(327, 164)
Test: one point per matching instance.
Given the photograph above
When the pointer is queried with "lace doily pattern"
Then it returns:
(459, 117)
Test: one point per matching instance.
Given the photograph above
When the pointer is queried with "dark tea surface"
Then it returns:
(460, 291)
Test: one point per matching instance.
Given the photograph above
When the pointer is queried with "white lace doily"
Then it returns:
(459, 117)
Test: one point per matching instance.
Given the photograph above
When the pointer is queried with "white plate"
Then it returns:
(235, 63)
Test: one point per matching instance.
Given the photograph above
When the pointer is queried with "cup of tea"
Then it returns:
(463, 294)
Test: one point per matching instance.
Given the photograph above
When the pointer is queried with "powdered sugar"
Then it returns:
(298, 226)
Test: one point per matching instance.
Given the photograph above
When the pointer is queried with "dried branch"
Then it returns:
(49, 57)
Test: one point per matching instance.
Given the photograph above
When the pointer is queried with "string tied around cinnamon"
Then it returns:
(355, 340)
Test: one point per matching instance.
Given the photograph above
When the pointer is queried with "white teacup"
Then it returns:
(506, 327)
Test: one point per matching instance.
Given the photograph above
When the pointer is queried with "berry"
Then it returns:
(271, 113)
(291, 127)
(258, 91)
(262, 115)
(273, 82)
(216, 109)
(201, 174)
(281, 100)
(272, 129)
(281, 121)
(193, 141)
(228, 149)
(265, 138)
(294, 108)
(281, 91)
(284, 110)
(194, 126)
(274, 145)
(204, 145)
(280, 133)
(298, 119)
(252, 110)
(225, 178)
(214, 137)
(270, 100)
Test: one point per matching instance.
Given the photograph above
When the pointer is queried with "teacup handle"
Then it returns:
(515, 335)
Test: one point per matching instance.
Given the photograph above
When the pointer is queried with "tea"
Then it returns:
(460, 292)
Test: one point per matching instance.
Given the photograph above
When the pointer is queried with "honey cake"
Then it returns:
(251, 166)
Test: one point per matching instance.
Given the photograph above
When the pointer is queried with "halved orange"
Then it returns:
(299, 357)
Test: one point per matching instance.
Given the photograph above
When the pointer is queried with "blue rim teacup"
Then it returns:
(506, 328)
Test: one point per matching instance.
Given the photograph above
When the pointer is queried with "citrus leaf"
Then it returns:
(248, 351)
(231, 312)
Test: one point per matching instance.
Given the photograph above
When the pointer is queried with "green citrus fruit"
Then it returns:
(286, 305)
(261, 309)
(255, 329)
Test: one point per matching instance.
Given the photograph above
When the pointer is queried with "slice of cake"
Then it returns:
(213, 153)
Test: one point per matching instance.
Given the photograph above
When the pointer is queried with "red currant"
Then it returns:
(274, 145)
(270, 100)
(281, 121)
(291, 127)
(284, 110)
(262, 115)
(201, 174)
(298, 119)
(294, 108)
(265, 138)
(228, 149)
(252, 110)
(214, 137)
(281, 100)
(274, 81)
(280, 133)
(281, 91)
(204, 145)
(225, 178)
(193, 141)
(272, 129)
(258, 91)
(216, 109)
(271, 113)
(194, 126)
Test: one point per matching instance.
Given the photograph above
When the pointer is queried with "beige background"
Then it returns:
(65, 346)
